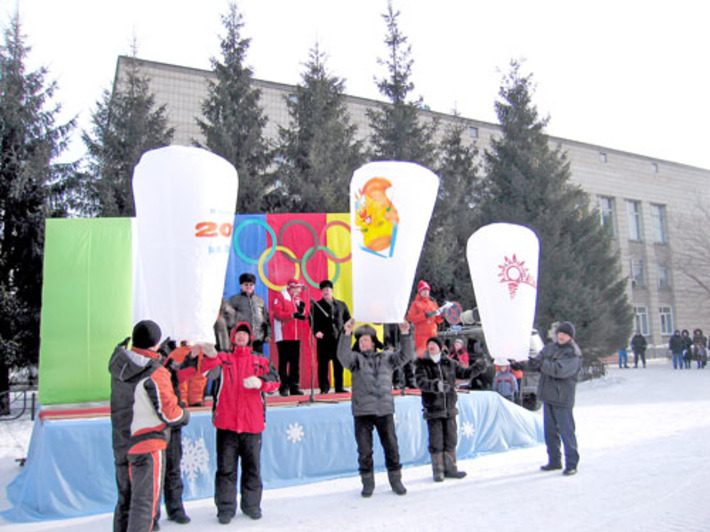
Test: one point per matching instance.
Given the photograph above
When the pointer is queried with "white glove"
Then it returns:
(207, 349)
(252, 382)
(443, 307)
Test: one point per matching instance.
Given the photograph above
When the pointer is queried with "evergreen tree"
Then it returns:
(398, 133)
(318, 152)
(443, 258)
(527, 183)
(233, 121)
(32, 188)
(125, 124)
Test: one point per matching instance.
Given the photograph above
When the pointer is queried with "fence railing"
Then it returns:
(16, 403)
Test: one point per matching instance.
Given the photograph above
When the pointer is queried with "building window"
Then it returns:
(638, 276)
(633, 209)
(473, 132)
(606, 213)
(293, 98)
(654, 167)
(664, 280)
(641, 320)
(666, 316)
(602, 156)
(660, 224)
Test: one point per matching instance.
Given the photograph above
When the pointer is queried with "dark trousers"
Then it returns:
(139, 479)
(364, 426)
(327, 352)
(289, 363)
(559, 424)
(404, 376)
(642, 356)
(257, 346)
(173, 488)
(443, 434)
(231, 446)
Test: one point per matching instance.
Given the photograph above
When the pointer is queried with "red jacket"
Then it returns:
(424, 328)
(238, 408)
(286, 327)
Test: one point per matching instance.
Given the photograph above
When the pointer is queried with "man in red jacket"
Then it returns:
(143, 406)
(290, 310)
(239, 417)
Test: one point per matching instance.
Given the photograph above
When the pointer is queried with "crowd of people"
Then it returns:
(153, 382)
(686, 349)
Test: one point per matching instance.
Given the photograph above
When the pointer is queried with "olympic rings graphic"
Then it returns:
(237, 232)
(262, 260)
(277, 245)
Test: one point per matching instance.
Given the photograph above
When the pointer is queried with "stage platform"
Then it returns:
(69, 470)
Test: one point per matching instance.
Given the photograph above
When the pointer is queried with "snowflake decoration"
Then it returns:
(294, 433)
(514, 272)
(467, 429)
(195, 458)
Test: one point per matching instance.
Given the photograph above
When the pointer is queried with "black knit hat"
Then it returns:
(326, 283)
(247, 278)
(566, 327)
(437, 341)
(146, 334)
(242, 326)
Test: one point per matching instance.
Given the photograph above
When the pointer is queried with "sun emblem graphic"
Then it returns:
(514, 272)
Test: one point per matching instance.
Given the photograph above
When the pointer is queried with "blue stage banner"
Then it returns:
(69, 471)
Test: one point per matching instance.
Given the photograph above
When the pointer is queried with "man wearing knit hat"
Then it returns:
(143, 406)
(329, 315)
(251, 308)
(559, 364)
(425, 315)
(290, 311)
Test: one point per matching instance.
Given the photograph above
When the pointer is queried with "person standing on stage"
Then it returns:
(425, 315)
(289, 309)
(372, 402)
(329, 315)
(251, 308)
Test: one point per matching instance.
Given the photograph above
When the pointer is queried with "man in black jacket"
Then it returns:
(329, 315)
(559, 364)
(638, 346)
(252, 309)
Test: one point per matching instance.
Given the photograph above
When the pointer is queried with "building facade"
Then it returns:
(646, 204)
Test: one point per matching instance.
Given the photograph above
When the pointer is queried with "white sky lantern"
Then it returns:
(390, 207)
(185, 200)
(503, 259)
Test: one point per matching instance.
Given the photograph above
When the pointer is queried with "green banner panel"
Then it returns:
(87, 306)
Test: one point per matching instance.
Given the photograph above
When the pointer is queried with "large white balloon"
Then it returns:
(503, 259)
(185, 200)
(390, 206)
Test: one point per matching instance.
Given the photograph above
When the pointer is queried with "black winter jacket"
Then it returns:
(559, 366)
(437, 381)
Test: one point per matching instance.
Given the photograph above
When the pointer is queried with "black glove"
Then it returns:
(480, 365)
(299, 316)
(301, 307)
(186, 417)
(124, 344)
(430, 314)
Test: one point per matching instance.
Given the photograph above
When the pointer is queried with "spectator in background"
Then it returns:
(638, 346)
(458, 352)
(623, 358)
(687, 348)
(675, 345)
(505, 382)
(252, 309)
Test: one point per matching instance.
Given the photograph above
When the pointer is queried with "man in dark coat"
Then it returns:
(252, 309)
(372, 402)
(638, 346)
(436, 377)
(559, 364)
(329, 315)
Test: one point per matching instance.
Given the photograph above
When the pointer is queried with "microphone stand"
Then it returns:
(311, 396)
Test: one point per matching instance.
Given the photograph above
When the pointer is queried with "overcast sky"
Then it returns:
(623, 74)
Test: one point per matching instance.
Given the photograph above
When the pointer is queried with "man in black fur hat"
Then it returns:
(329, 315)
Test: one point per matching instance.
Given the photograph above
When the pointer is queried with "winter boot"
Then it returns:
(450, 470)
(368, 484)
(395, 478)
(437, 466)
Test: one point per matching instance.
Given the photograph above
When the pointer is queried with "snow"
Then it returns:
(643, 437)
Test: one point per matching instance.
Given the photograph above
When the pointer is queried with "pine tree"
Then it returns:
(527, 183)
(443, 257)
(32, 187)
(233, 121)
(318, 152)
(398, 133)
(125, 124)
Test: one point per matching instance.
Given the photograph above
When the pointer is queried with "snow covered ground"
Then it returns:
(644, 438)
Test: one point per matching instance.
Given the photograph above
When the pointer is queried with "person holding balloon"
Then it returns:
(290, 309)
(239, 417)
(372, 402)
